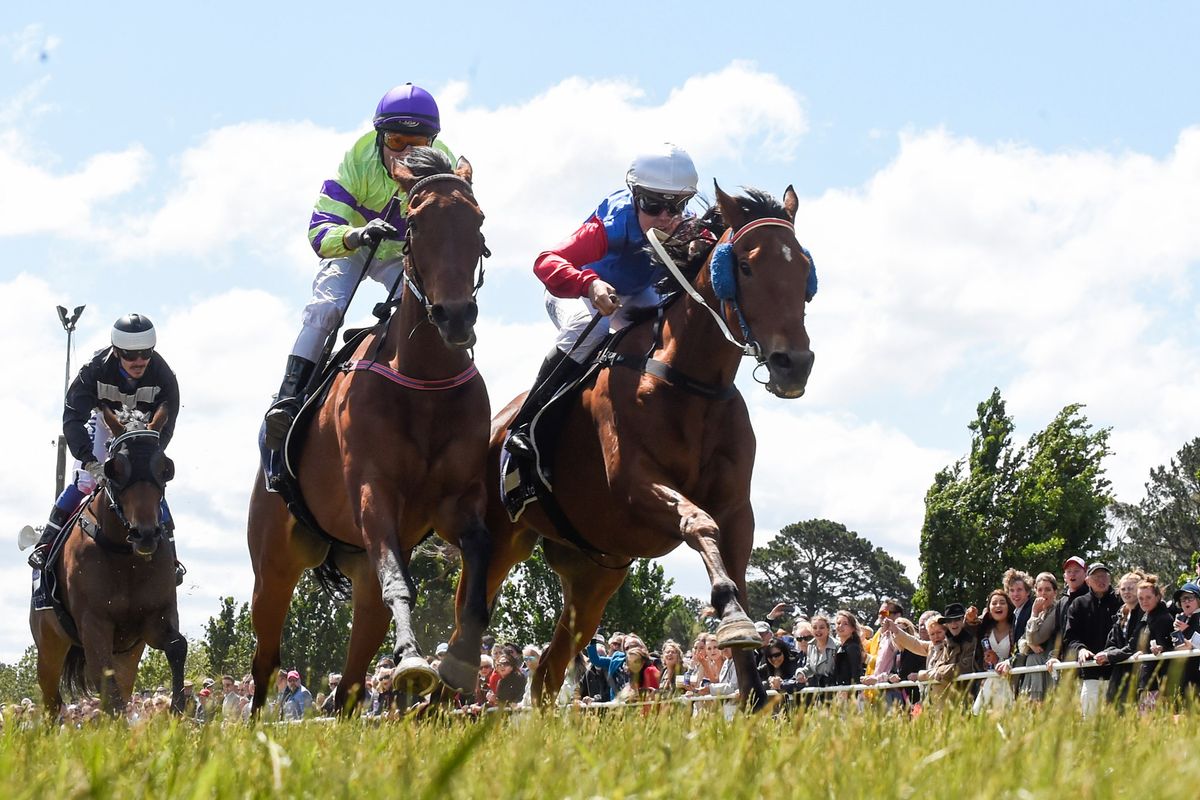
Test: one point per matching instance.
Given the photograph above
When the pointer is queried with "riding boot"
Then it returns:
(168, 523)
(556, 372)
(287, 403)
(41, 550)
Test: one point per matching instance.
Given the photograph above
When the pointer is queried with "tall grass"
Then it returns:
(830, 752)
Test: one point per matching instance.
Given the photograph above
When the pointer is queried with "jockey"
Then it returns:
(359, 215)
(129, 375)
(604, 267)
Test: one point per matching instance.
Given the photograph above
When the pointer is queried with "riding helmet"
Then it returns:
(133, 332)
(408, 109)
(667, 171)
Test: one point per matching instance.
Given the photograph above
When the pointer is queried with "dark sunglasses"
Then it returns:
(776, 654)
(654, 206)
(804, 638)
(134, 355)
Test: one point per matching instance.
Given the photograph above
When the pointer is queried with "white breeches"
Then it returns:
(572, 315)
(331, 292)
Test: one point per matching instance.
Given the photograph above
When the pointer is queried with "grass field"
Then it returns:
(1024, 752)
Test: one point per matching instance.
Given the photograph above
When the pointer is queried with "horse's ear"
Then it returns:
(403, 175)
(464, 169)
(111, 422)
(791, 203)
(160, 418)
(731, 212)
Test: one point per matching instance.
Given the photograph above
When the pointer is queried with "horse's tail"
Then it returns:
(333, 580)
(74, 676)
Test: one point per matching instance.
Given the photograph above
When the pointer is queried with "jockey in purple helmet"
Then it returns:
(359, 215)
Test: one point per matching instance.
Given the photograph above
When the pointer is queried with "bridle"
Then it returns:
(114, 502)
(722, 267)
(411, 274)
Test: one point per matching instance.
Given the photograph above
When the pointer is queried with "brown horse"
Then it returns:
(116, 582)
(397, 449)
(647, 461)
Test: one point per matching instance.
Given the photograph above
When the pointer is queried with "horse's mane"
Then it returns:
(426, 161)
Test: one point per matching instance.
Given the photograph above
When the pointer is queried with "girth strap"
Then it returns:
(669, 375)
(409, 382)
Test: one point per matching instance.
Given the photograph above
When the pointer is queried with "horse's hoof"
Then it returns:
(458, 674)
(739, 634)
(414, 676)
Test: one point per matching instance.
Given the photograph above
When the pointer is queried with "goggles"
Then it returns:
(654, 205)
(394, 140)
(134, 355)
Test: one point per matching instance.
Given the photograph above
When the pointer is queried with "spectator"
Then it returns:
(960, 624)
(818, 664)
(1122, 684)
(296, 700)
(386, 700)
(763, 630)
(883, 653)
(231, 701)
(905, 664)
(530, 658)
(778, 665)
(329, 707)
(487, 668)
(1019, 588)
(594, 688)
(1149, 632)
(1074, 578)
(511, 686)
(643, 675)
(995, 646)
(1187, 630)
(1089, 619)
(802, 636)
(613, 665)
(190, 703)
(942, 653)
(248, 704)
(1036, 646)
(848, 660)
(671, 678)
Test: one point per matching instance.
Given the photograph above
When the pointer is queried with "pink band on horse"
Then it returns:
(761, 223)
(414, 383)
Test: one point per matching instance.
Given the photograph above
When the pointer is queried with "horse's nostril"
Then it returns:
(780, 360)
(438, 312)
(472, 312)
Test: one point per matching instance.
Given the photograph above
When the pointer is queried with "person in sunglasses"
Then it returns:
(603, 267)
(129, 375)
(359, 214)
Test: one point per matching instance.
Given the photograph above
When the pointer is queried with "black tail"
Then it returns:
(333, 580)
(74, 677)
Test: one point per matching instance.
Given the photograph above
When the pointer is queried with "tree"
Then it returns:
(154, 671)
(1000, 507)
(19, 680)
(316, 633)
(1161, 533)
(229, 639)
(820, 566)
(529, 603)
(643, 603)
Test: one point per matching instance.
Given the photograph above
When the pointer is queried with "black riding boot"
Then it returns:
(287, 403)
(550, 378)
(41, 550)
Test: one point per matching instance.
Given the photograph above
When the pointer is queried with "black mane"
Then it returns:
(757, 204)
(426, 161)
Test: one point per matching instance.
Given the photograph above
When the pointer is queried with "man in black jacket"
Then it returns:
(1075, 583)
(1089, 620)
(131, 375)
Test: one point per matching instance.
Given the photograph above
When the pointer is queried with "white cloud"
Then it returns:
(30, 44)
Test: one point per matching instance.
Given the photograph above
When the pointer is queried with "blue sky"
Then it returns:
(994, 196)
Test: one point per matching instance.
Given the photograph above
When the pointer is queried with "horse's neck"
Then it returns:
(693, 344)
(412, 345)
(108, 524)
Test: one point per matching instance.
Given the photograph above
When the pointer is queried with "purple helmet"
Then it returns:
(408, 109)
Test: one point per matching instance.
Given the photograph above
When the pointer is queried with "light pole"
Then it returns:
(68, 323)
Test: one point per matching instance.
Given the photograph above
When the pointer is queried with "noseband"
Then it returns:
(114, 502)
(411, 274)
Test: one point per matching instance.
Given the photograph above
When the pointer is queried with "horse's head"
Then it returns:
(763, 277)
(445, 243)
(137, 471)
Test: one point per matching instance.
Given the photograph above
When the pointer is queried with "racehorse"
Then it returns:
(115, 578)
(396, 450)
(660, 451)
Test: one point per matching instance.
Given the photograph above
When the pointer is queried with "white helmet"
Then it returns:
(133, 332)
(668, 170)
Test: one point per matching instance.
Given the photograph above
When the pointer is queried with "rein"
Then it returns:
(750, 346)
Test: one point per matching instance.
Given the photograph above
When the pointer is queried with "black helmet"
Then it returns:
(133, 332)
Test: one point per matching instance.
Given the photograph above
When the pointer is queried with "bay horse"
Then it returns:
(116, 578)
(647, 461)
(396, 450)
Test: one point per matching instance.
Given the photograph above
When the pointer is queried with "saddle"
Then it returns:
(47, 592)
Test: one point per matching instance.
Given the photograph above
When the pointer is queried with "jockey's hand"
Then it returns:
(604, 297)
(95, 469)
(370, 234)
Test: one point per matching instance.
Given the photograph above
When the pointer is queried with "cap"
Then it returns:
(293, 674)
(1191, 587)
(442, 649)
(1077, 561)
(188, 684)
(762, 627)
(1097, 567)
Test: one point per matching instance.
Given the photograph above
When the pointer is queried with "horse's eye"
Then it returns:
(744, 266)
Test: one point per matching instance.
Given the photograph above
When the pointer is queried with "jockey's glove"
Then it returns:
(370, 234)
(95, 469)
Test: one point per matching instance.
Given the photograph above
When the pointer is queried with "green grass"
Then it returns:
(1024, 752)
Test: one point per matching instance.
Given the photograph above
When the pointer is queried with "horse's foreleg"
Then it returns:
(663, 505)
(367, 631)
(587, 587)
(96, 634)
(126, 670)
(736, 543)
(175, 648)
(459, 668)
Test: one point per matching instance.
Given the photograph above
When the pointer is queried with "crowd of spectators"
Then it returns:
(1027, 622)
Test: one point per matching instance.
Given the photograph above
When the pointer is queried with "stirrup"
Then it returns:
(37, 559)
(518, 444)
(279, 419)
(180, 571)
